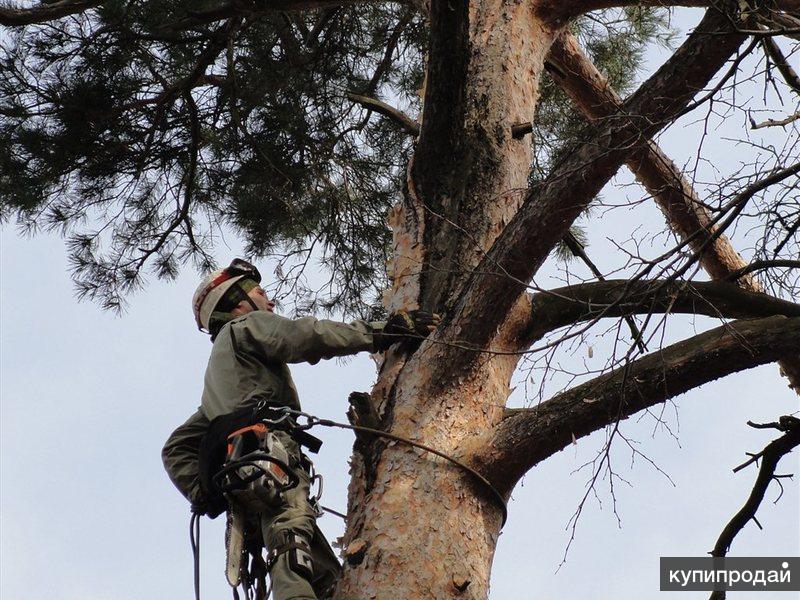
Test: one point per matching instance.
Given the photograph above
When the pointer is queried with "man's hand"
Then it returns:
(410, 327)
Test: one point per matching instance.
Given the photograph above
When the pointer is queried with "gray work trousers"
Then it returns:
(295, 516)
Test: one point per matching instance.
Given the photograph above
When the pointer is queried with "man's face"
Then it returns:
(259, 298)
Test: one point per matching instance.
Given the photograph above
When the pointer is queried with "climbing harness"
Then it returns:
(241, 448)
(257, 471)
(244, 470)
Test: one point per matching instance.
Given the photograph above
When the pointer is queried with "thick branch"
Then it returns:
(248, 7)
(550, 208)
(528, 436)
(16, 17)
(782, 64)
(560, 11)
(615, 298)
(591, 92)
(574, 72)
(786, 24)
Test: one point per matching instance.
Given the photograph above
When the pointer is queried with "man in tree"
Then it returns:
(165, 122)
(248, 368)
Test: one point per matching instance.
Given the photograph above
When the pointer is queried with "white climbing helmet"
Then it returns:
(213, 288)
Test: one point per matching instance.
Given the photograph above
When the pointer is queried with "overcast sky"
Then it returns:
(88, 399)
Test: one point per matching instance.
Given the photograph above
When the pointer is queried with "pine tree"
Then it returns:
(485, 131)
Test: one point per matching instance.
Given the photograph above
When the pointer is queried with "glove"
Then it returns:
(210, 507)
(410, 327)
(199, 507)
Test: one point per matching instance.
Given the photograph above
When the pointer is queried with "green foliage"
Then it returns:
(616, 40)
(140, 128)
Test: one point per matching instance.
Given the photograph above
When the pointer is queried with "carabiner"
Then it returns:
(311, 420)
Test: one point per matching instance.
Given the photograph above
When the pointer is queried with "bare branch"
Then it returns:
(775, 122)
(577, 249)
(615, 298)
(763, 264)
(574, 72)
(550, 209)
(781, 63)
(406, 122)
(525, 437)
(11, 16)
(770, 456)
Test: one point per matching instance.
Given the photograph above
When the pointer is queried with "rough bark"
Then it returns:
(674, 194)
(483, 75)
(462, 216)
(485, 64)
(528, 436)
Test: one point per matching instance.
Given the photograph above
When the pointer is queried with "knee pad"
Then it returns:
(298, 552)
(300, 558)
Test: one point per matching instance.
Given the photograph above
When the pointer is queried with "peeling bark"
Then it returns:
(463, 187)
(484, 70)
(463, 214)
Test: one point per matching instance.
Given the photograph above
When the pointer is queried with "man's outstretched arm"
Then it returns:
(302, 340)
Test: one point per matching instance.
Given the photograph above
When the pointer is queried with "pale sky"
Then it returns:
(88, 399)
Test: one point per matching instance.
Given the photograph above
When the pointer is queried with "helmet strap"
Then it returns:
(243, 295)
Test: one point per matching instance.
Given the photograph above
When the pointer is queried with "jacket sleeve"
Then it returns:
(303, 340)
(180, 456)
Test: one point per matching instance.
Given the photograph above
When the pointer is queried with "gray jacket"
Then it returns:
(249, 362)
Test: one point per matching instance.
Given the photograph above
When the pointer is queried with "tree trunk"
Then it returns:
(419, 525)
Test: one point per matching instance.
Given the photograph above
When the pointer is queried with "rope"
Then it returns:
(312, 421)
(333, 512)
(194, 539)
